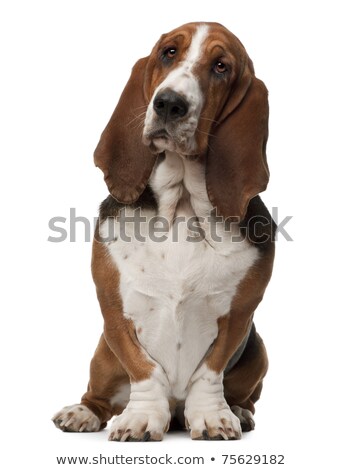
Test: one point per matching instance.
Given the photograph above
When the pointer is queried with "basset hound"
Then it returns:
(184, 246)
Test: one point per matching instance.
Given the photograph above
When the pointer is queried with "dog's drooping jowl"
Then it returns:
(184, 246)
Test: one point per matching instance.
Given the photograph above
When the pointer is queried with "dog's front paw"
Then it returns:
(207, 413)
(76, 418)
(219, 424)
(139, 425)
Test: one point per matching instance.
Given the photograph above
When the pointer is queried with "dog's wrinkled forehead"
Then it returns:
(191, 51)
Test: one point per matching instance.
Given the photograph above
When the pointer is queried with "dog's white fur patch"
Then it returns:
(174, 291)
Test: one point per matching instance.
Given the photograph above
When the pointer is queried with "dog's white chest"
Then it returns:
(175, 290)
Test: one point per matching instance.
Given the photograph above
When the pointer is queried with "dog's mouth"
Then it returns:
(161, 139)
(159, 134)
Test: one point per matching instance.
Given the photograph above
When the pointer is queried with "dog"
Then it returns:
(184, 246)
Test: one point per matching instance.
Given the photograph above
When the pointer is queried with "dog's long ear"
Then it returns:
(120, 153)
(236, 161)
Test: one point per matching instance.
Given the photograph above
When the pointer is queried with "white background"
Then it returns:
(63, 66)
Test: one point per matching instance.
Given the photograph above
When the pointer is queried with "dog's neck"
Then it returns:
(179, 186)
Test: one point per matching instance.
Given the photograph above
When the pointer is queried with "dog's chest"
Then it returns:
(176, 288)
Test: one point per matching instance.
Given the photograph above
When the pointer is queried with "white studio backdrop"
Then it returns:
(64, 65)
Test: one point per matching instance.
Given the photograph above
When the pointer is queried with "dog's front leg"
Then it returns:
(147, 414)
(207, 413)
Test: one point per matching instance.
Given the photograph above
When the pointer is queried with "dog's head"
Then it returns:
(197, 95)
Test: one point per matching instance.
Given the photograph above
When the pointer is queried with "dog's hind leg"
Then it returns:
(243, 383)
(107, 395)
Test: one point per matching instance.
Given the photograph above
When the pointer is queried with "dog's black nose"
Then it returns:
(169, 105)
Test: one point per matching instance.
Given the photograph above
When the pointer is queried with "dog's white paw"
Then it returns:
(140, 425)
(147, 415)
(207, 413)
(219, 424)
(76, 418)
(245, 417)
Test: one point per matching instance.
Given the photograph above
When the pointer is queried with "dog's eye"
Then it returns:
(169, 53)
(220, 68)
